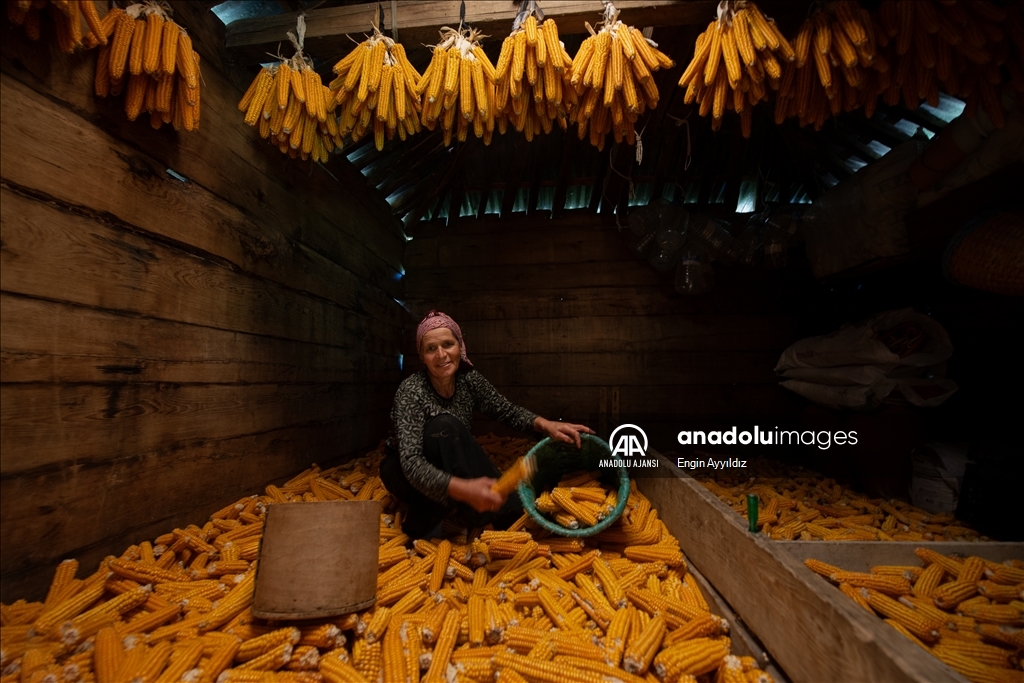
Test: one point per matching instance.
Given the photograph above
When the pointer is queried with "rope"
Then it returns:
(680, 122)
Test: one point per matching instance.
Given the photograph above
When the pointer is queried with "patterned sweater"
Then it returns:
(417, 402)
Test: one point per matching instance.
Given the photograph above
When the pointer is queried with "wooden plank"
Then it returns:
(699, 332)
(668, 400)
(511, 247)
(47, 341)
(418, 22)
(569, 301)
(90, 512)
(65, 257)
(861, 557)
(827, 636)
(112, 182)
(425, 282)
(248, 172)
(47, 426)
(645, 368)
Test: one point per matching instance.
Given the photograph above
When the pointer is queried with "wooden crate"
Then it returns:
(813, 632)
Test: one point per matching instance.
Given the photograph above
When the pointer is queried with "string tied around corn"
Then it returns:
(141, 10)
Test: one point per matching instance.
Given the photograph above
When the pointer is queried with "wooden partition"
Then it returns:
(172, 341)
(565, 320)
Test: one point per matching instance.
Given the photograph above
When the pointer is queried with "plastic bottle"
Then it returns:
(782, 233)
(748, 244)
(689, 277)
(714, 235)
(642, 244)
(663, 260)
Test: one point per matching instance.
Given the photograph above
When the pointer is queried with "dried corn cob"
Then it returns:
(375, 91)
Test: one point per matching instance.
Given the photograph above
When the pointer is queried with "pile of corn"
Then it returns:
(144, 54)
(717, 79)
(967, 612)
(612, 75)
(292, 109)
(376, 89)
(837, 67)
(961, 45)
(66, 16)
(797, 504)
(458, 87)
(536, 608)
(533, 89)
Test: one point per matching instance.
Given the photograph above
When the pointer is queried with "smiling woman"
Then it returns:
(433, 462)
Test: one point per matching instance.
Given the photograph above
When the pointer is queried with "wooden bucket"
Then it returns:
(317, 559)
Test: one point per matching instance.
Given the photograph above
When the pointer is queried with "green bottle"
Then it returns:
(752, 511)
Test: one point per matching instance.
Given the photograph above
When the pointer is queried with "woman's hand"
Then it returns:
(476, 493)
(565, 432)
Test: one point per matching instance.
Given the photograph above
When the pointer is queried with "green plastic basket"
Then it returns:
(554, 459)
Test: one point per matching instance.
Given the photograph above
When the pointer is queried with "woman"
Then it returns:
(433, 463)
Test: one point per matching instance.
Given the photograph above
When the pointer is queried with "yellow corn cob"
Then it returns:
(378, 625)
(949, 595)
(444, 646)
(269, 661)
(856, 595)
(1000, 593)
(693, 657)
(714, 56)
(641, 650)
(168, 47)
(138, 47)
(929, 581)
(918, 622)
(1009, 614)
(971, 669)
(255, 647)
(1003, 575)
(154, 33)
(653, 553)
(989, 655)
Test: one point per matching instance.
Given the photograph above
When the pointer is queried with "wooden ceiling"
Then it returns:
(682, 158)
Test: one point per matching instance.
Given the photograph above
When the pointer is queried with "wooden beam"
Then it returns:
(419, 20)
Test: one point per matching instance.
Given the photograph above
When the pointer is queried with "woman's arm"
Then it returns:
(562, 431)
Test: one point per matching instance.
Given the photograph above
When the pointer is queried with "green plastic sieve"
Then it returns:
(553, 459)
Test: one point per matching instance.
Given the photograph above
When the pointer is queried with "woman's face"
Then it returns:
(440, 353)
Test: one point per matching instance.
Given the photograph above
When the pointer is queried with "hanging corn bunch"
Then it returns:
(732, 61)
(67, 17)
(533, 86)
(840, 66)
(149, 58)
(612, 75)
(458, 87)
(291, 106)
(960, 45)
(376, 90)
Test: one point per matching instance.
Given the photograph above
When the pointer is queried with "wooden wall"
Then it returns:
(170, 346)
(563, 319)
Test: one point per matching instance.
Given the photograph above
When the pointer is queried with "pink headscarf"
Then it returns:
(436, 319)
